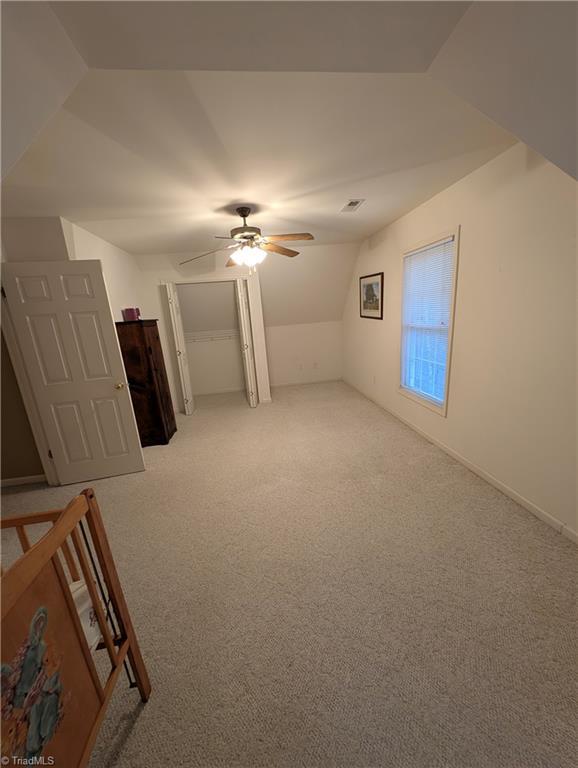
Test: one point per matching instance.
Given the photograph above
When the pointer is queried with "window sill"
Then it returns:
(441, 410)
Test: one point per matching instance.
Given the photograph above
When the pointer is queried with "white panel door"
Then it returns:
(66, 333)
(178, 334)
(246, 337)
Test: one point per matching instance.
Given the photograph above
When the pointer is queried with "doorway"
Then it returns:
(217, 326)
(210, 318)
(59, 330)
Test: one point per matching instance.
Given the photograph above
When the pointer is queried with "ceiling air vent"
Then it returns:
(352, 205)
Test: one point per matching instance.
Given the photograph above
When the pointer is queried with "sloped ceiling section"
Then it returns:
(516, 62)
(152, 161)
(40, 68)
(260, 36)
(296, 107)
(310, 288)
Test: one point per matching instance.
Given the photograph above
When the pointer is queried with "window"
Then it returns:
(427, 308)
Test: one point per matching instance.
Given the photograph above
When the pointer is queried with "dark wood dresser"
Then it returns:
(147, 379)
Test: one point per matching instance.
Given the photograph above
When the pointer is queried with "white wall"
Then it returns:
(303, 353)
(512, 396)
(208, 306)
(216, 366)
(303, 305)
(122, 274)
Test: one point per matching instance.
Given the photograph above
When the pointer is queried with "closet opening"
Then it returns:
(214, 336)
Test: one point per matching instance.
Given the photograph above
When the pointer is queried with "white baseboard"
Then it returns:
(569, 533)
(306, 383)
(28, 480)
(538, 512)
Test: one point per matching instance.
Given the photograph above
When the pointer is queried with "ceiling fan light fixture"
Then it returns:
(248, 256)
(238, 257)
(255, 256)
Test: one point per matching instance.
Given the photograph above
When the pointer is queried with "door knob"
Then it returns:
(119, 385)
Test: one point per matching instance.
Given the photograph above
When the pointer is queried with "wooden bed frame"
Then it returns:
(53, 700)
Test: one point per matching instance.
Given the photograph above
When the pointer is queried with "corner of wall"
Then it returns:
(68, 234)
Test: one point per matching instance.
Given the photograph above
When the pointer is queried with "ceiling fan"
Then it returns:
(250, 247)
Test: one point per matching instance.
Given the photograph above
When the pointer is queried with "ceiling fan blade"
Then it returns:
(223, 237)
(291, 236)
(208, 253)
(278, 249)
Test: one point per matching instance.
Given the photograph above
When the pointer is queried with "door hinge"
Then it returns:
(50, 456)
(3, 291)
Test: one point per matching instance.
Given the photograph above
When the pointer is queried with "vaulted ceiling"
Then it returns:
(151, 161)
(162, 115)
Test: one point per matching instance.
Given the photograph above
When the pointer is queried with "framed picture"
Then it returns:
(371, 296)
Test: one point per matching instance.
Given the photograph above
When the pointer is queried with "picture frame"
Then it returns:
(371, 296)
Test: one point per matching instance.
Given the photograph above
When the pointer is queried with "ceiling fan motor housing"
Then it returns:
(245, 232)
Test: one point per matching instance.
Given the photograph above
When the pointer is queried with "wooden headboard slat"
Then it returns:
(69, 559)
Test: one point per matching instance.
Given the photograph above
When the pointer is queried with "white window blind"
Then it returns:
(426, 319)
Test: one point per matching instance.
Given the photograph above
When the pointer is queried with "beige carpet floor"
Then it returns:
(314, 584)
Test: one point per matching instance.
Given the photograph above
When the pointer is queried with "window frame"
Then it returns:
(441, 409)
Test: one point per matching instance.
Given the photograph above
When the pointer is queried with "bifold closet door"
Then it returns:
(178, 335)
(66, 335)
(246, 338)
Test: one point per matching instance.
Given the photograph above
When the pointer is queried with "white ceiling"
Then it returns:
(268, 36)
(151, 160)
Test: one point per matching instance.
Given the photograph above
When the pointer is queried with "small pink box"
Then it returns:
(131, 313)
